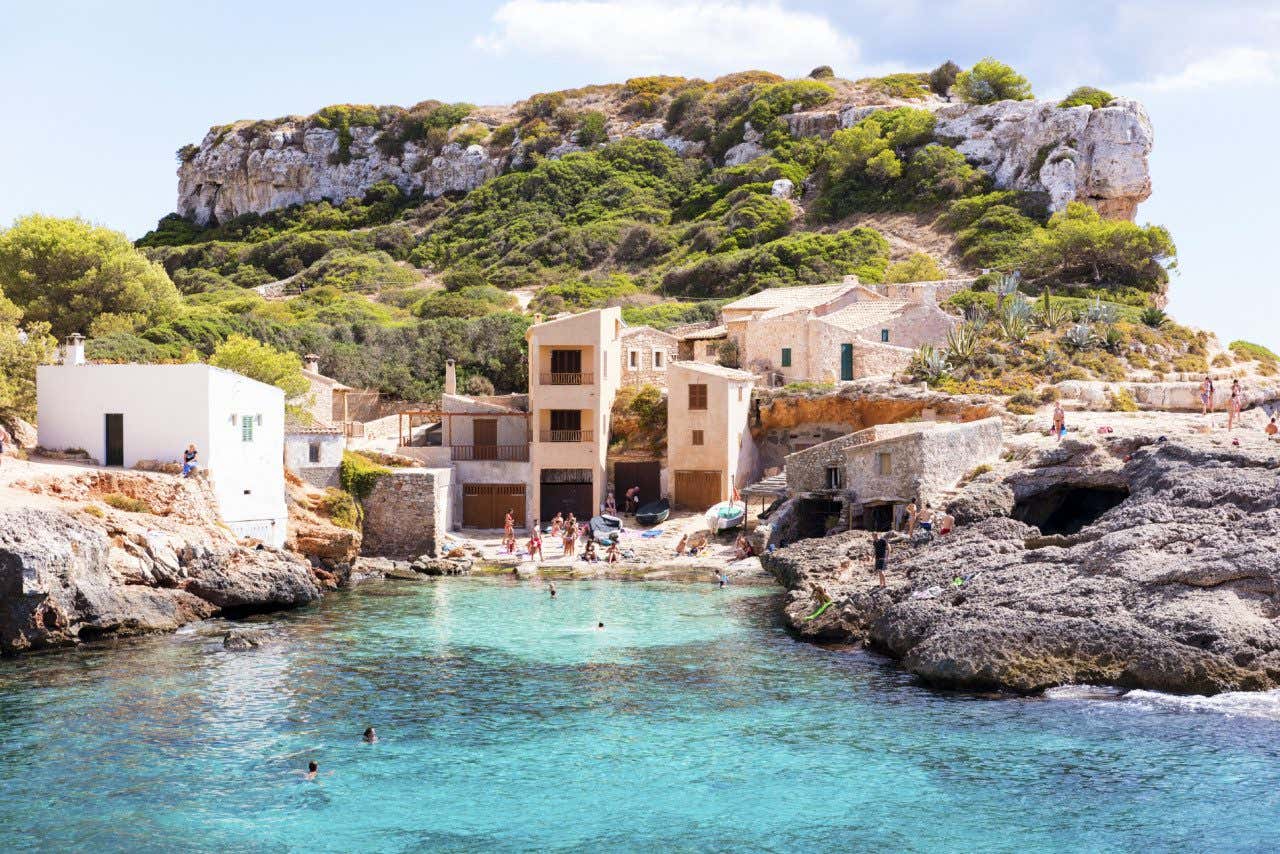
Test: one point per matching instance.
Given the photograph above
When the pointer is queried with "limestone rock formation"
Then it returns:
(1098, 156)
(1175, 589)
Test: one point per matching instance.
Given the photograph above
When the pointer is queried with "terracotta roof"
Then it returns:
(717, 370)
(861, 315)
(804, 296)
(709, 332)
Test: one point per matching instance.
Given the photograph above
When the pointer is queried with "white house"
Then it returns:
(121, 414)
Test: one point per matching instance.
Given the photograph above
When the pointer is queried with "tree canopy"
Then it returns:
(990, 80)
(261, 362)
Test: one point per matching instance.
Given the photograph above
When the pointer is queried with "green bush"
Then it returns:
(1121, 400)
(359, 475)
(920, 267)
(350, 270)
(591, 130)
(822, 72)
(904, 85)
(991, 80)
(1081, 95)
(942, 78)
(1253, 352)
(340, 508)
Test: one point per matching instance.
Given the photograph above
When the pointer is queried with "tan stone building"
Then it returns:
(877, 471)
(709, 445)
(574, 374)
(646, 353)
(833, 333)
(703, 343)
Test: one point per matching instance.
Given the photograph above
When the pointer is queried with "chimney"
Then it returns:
(450, 377)
(73, 350)
(311, 362)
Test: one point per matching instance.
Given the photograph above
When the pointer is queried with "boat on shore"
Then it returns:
(726, 515)
(653, 513)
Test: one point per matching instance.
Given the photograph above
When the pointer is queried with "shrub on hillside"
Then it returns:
(1081, 95)
(359, 475)
(920, 267)
(120, 501)
(991, 80)
(942, 78)
(1253, 352)
(903, 85)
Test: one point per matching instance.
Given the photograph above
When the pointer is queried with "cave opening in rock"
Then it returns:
(1066, 509)
(816, 516)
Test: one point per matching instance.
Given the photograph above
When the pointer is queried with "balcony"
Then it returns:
(557, 378)
(566, 435)
(499, 453)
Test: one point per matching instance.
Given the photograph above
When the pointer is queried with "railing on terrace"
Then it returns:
(566, 435)
(566, 379)
(500, 453)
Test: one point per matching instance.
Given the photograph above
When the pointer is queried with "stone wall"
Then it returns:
(407, 513)
(923, 464)
(643, 342)
(807, 470)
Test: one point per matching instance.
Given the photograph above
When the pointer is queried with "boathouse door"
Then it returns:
(115, 439)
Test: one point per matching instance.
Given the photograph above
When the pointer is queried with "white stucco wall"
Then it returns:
(167, 407)
(727, 444)
(297, 456)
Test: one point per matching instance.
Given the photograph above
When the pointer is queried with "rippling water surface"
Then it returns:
(692, 722)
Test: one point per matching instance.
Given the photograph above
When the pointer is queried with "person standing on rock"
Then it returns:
(1206, 396)
(925, 518)
(880, 552)
(1233, 408)
(1059, 421)
(911, 518)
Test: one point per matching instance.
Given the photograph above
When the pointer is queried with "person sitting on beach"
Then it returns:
(1271, 429)
(742, 548)
(1059, 421)
(589, 554)
(820, 593)
(612, 554)
(189, 460)
(610, 505)
(680, 546)
(946, 523)
(369, 735)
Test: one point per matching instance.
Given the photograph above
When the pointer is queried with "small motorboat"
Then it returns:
(726, 515)
(653, 513)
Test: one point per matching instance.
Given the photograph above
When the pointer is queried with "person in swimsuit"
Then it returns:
(553, 590)
(925, 518)
(589, 554)
(370, 736)
(1233, 410)
(911, 518)
(880, 552)
(723, 579)
(946, 523)
(612, 554)
(1059, 421)
(1206, 396)
(1271, 429)
(557, 525)
(535, 545)
(610, 505)
(313, 770)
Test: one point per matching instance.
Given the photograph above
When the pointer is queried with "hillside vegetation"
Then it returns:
(385, 288)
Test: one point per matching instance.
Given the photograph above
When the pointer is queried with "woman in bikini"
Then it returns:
(1233, 411)
(1206, 396)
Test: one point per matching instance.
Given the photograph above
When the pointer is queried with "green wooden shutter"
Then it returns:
(786, 357)
(846, 361)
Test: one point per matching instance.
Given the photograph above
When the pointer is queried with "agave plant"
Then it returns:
(1054, 316)
(1154, 317)
(929, 363)
(1052, 358)
(1080, 337)
(1007, 286)
(1018, 306)
(977, 315)
(962, 342)
(1097, 312)
(1111, 338)
(1015, 328)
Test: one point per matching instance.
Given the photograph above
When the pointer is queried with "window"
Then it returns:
(884, 464)
(566, 419)
(246, 428)
(786, 357)
(697, 396)
(633, 360)
(711, 349)
(313, 451)
(884, 336)
(697, 438)
(739, 394)
(835, 477)
(566, 361)
(659, 360)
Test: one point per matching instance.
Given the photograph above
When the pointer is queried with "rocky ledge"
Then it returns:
(1174, 588)
(68, 576)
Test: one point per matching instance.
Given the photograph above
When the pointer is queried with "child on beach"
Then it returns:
(612, 555)
(1059, 421)
(680, 546)
(535, 545)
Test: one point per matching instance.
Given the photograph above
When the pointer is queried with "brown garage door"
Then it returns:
(646, 475)
(566, 498)
(697, 490)
(485, 505)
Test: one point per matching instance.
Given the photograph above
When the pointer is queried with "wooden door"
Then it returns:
(697, 490)
(115, 439)
(485, 505)
(646, 475)
(846, 362)
(485, 438)
(566, 498)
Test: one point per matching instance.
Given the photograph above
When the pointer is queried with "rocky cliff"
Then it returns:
(73, 571)
(1098, 156)
(1175, 588)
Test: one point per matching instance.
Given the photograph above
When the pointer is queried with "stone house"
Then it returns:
(575, 370)
(646, 353)
(837, 333)
(877, 471)
(709, 446)
(124, 414)
(314, 452)
(702, 344)
(408, 512)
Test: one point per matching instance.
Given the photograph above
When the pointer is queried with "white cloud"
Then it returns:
(675, 36)
(1237, 65)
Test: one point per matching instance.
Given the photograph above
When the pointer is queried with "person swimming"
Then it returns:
(369, 735)
(313, 770)
(599, 627)
(723, 580)
(553, 589)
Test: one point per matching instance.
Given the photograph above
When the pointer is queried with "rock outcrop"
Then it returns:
(71, 572)
(1097, 156)
(1176, 588)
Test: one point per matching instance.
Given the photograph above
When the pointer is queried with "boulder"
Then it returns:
(985, 497)
(240, 640)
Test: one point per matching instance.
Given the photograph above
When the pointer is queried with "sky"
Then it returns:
(100, 95)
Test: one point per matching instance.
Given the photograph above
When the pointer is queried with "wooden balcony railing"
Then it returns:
(500, 453)
(566, 379)
(566, 435)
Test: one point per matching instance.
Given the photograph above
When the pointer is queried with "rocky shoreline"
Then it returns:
(1175, 588)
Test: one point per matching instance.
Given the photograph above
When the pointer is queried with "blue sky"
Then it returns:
(99, 95)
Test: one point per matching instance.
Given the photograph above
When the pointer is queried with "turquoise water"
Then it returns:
(692, 722)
